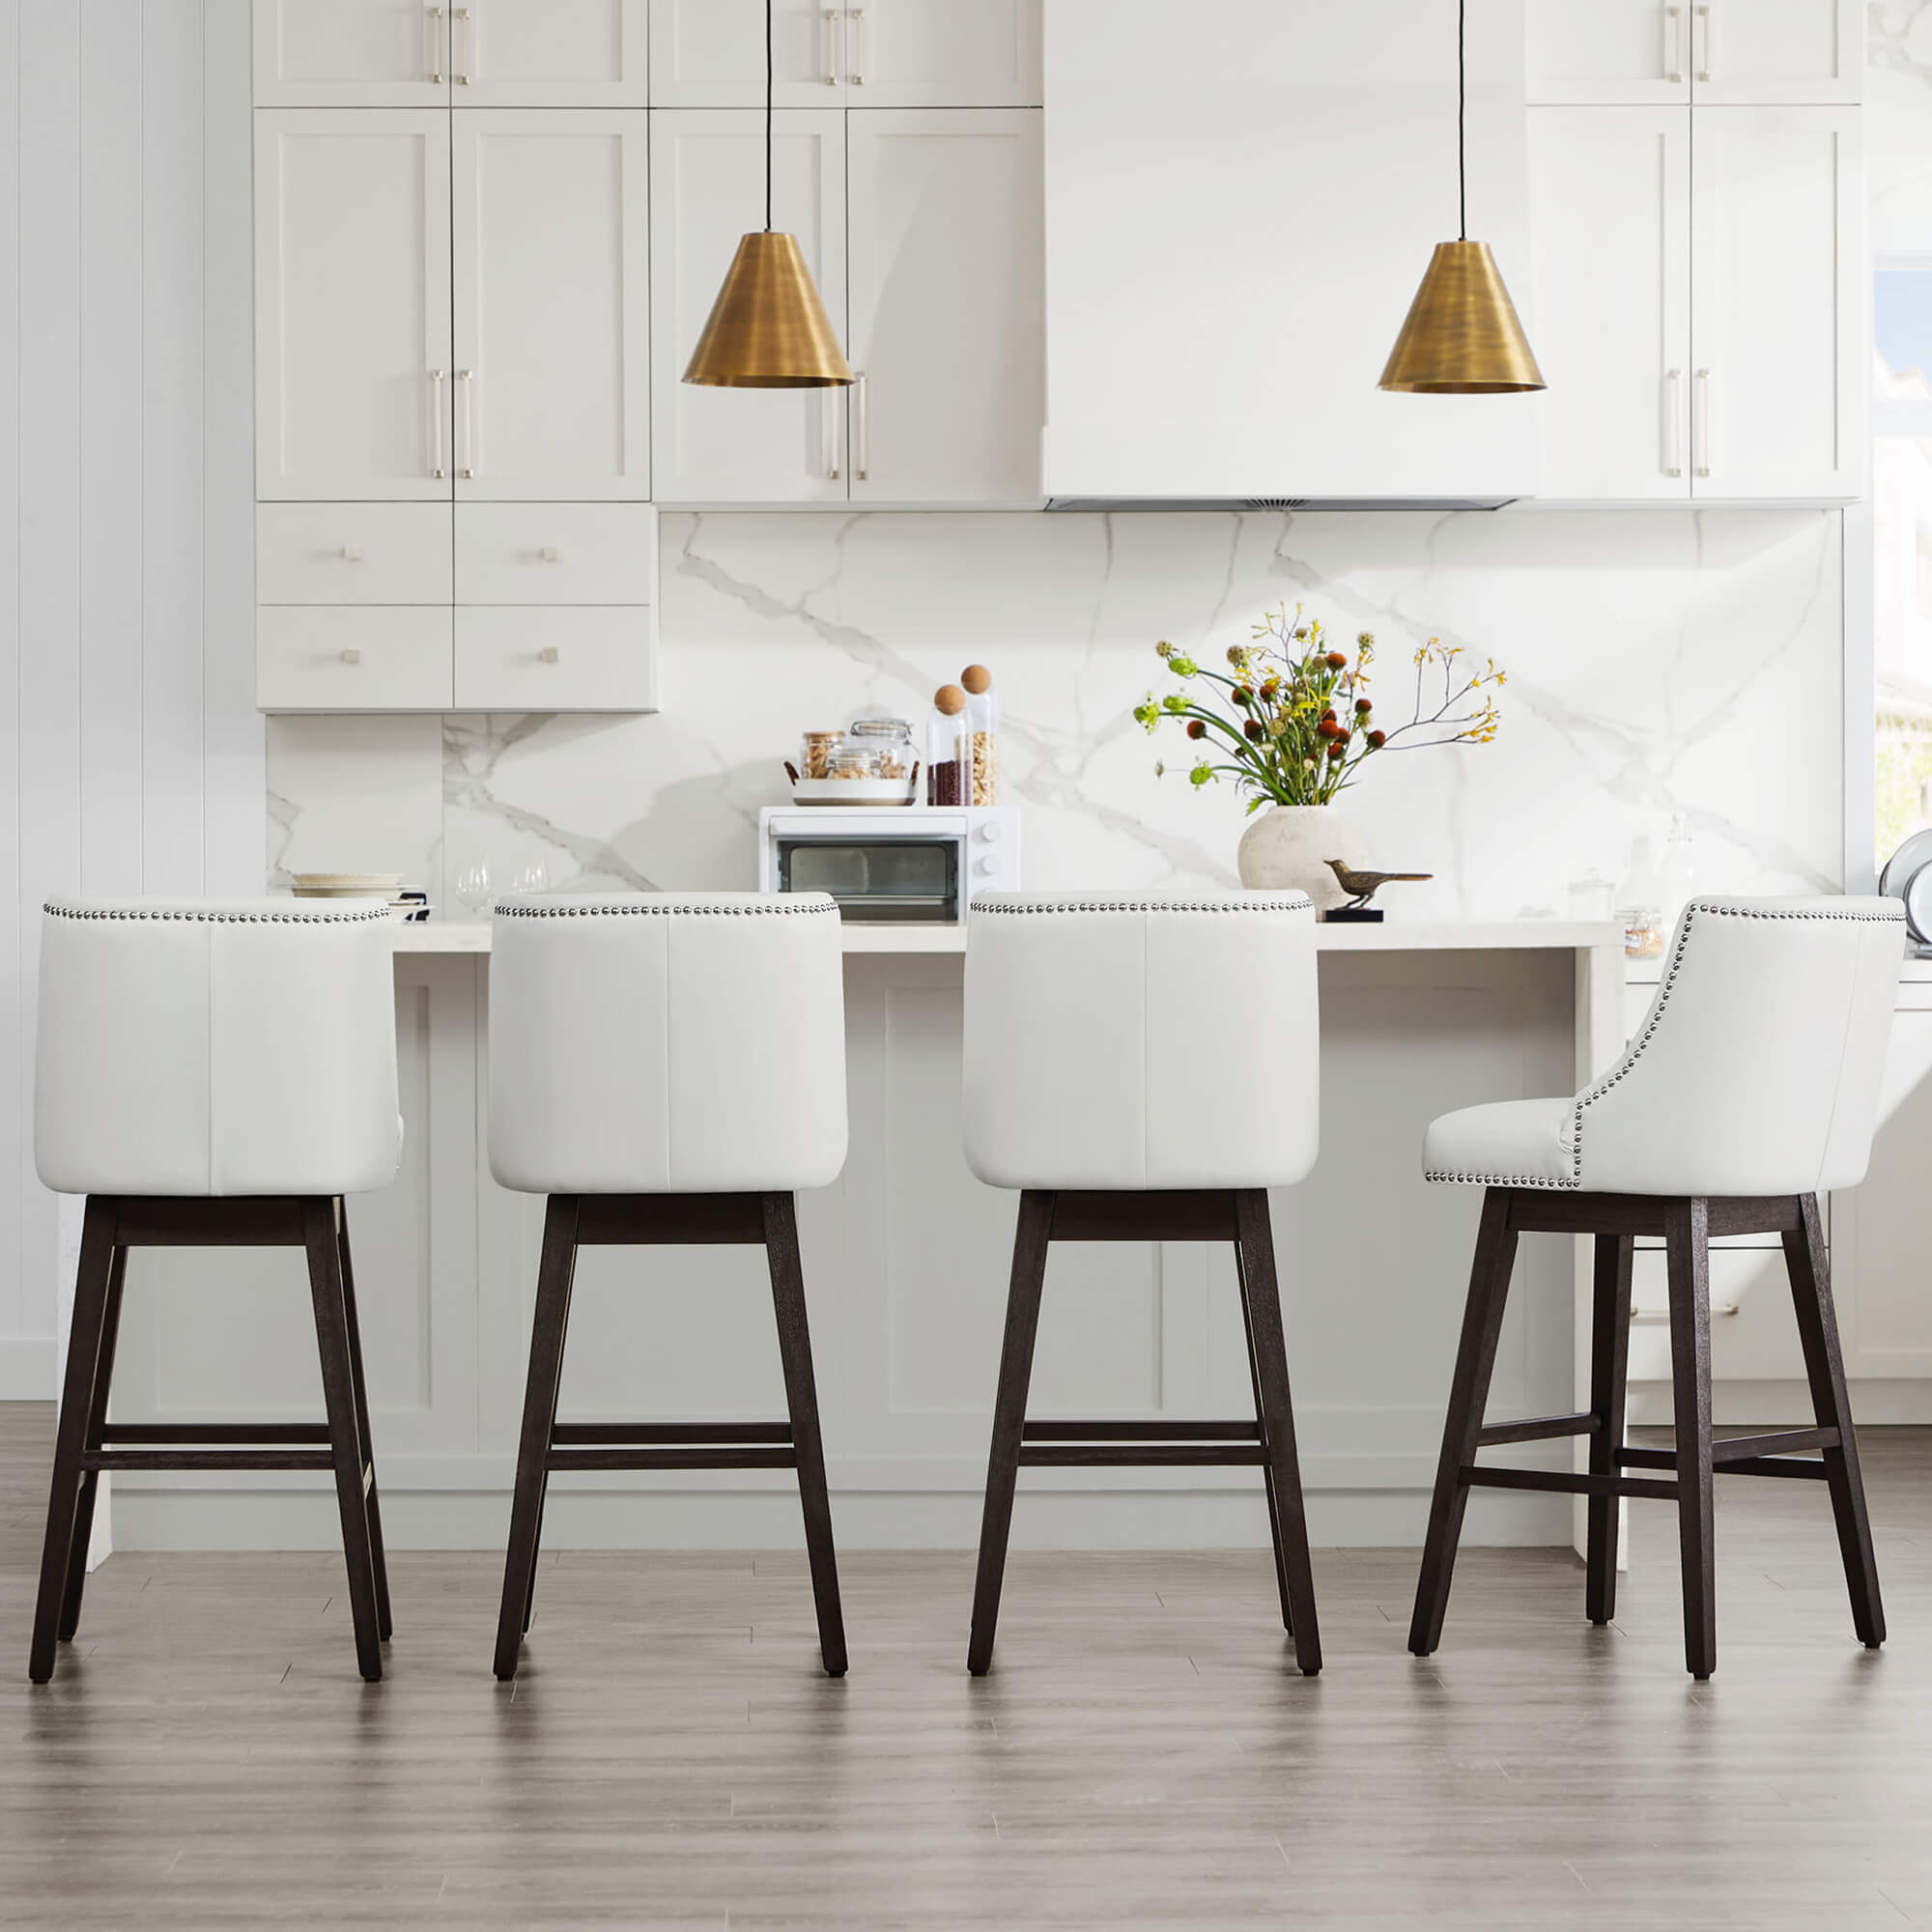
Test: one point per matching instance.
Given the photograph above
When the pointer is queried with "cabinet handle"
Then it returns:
(1656, 1318)
(1703, 19)
(548, 655)
(435, 44)
(1701, 424)
(436, 424)
(466, 457)
(833, 403)
(1673, 66)
(1673, 425)
(351, 656)
(551, 553)
(351, 552)
(460, 78)
(862, 429)
(855, 47)
(831, 46)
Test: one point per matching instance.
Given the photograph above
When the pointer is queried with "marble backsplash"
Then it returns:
(1660, 662)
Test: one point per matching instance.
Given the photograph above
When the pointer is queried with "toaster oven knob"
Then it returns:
(990, 831)
(984, 865)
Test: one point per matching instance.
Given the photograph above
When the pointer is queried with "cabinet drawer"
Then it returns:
(320, 657)
(554, 553)
(576, 658)
(351, 552)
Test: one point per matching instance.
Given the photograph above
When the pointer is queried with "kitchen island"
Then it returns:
(906, 1262)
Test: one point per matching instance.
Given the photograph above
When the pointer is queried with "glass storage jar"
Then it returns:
(888, 739)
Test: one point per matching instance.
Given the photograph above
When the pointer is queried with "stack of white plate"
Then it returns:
(385, 886)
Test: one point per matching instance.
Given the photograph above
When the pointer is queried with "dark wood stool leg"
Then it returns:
(1268, 1357)
(1469, 1393)
(344, 1440)
(1268, 1467)
(1810, 1271)
(1609, 1372)
(97, 1421)
(782, 1257)
(547, 1335)
(383, 1621)
(77, 1396)
(1687, 1231)
(1031, 1237)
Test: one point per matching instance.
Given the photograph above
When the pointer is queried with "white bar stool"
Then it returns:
(1751, 1088)
(1093, 1087)
(667, 1067)
(208, 1074)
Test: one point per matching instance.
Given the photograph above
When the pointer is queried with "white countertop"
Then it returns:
(1395, 935)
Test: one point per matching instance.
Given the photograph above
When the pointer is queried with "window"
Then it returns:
(1902, 546)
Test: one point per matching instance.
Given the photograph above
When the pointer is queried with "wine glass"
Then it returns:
(532, 876)
(472, 887)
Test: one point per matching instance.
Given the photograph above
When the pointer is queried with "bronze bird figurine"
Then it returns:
(1362, 885)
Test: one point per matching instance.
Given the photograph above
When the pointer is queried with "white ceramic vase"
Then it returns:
(1287, 848)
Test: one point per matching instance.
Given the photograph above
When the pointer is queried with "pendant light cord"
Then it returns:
(1461, 106)
(768, 115)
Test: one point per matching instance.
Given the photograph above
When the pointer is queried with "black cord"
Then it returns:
(768, 116)
(1461, 100)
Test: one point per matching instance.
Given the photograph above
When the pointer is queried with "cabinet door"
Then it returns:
(710, 53)
(1749, 53)
(525, 657)
(549, 53)
(1777, 328)
(354, 657)
(351, 53)
(549, 386)
(351, 304)
(942, 53)
(707, 188)
(948, 324)
(1609, 209)
(1627, 52)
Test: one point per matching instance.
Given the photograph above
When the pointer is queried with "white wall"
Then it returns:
(130, 752)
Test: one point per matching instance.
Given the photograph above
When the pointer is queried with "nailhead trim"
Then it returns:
(59, 909)
(772, 903)
(1714, 909)
(1297, 902)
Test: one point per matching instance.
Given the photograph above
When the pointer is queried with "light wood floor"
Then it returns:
(1144, 1752)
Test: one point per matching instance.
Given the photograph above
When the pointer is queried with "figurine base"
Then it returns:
(1353, 916)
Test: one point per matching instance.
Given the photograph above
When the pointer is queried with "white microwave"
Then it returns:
(915, 864)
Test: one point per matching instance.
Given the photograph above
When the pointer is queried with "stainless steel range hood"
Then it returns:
(1240, 197)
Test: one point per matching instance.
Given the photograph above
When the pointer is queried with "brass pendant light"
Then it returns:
(1461, 336)
(768, 329)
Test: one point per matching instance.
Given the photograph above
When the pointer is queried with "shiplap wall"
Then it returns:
(130, 760)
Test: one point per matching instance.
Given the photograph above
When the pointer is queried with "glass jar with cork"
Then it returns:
(980, 773)
(946, 748)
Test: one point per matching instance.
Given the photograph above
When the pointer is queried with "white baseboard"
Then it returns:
(27, 1368)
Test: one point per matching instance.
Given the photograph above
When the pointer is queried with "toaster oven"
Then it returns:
(917, 864)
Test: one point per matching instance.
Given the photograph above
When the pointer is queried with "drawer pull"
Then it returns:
(551, 553)
(352, 656)
(1660, 1317)
(351, 552)
(548, 655)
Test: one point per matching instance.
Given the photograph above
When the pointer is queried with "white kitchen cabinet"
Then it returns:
(1777, 325)
(522, 657)
(351, 304)
(1610, 193)
(335, 657)
(707, 191)
(549, 389)
(1714, 52)
(550, 53)
(555, 554)
(946, 285)
(885, 53)
(351, 53)
(353, 553)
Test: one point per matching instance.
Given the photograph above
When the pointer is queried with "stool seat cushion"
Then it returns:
(668, 1043)
(1756, 1073)
(1141, 1041)
(1506, 1144)
(216, 1047)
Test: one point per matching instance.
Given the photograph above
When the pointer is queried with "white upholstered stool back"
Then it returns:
(1755, 1073)
(225, 1047)
(1141, 1041)
(668, 1043)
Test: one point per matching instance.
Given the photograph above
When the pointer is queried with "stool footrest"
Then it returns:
(683, 1435)
(1152, 1429)
(1136, 1454)
(1749, 1464)
(1568, 1481)
(1539, 1429)
(209, 1458)
(211, 1432)
(688, 1456)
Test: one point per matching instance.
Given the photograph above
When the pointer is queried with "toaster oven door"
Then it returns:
(876, 880)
